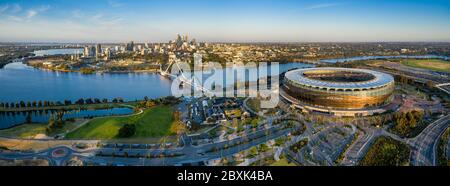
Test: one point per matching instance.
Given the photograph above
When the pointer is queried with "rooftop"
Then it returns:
(303, 76)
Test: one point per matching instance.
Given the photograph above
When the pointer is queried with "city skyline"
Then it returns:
(224, 21)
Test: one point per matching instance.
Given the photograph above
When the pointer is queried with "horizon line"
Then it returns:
(222, 42)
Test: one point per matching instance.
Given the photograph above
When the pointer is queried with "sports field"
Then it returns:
(430, 64)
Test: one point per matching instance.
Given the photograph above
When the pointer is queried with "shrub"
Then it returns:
(127, 130)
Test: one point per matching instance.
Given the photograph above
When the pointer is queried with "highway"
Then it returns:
(423, 151)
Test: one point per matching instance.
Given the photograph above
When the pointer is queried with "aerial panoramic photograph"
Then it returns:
(225, 83)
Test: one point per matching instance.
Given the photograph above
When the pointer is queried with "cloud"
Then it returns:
(15, 18)
(16, 8)
(3, 8)
(33, 12)
(77, 13)
(323, 5)
(44, 8)
(97, 17)
(112, 22)
(115, 4)
(14, 12)
(13, 9)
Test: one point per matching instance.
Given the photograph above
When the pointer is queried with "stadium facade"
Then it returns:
(338, 91)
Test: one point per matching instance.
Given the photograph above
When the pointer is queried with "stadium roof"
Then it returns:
(381, 79)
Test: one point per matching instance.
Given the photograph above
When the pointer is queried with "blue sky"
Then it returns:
(220, 20)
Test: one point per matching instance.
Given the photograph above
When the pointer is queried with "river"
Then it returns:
(20, 82)
(62, 51)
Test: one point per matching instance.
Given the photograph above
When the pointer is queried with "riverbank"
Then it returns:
(39, 130)
(73, 107)
(88, 70)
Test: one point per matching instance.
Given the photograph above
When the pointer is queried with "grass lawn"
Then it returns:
(27, 131)
(282, 162)
(254, 104)
(430, 64)
(24, 131)
(154, 122)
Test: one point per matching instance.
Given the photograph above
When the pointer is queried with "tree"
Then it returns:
(263, 147)
(253, 152)
(127, 130)
(430, 84)
(28, 119)
(89, 101)
(97, 101)
(178, 127)
(406, 122)
(80, 101)
(51, 125)
(55, 121)
(254, 123)
(67, 102)
(86, 70)
(150, 104)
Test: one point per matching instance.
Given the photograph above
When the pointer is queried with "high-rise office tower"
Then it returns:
(92, 51)
(86, 51)
(130, 46)
(98, 50)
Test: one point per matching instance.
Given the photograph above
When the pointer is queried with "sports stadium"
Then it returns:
(338, 91)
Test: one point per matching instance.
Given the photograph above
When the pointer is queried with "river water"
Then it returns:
(64, 51)
(23, 83)
(20, 82)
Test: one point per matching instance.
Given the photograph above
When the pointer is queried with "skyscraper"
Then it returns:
(98, 50)
(130, 46)
(86, 51)
(92, 51)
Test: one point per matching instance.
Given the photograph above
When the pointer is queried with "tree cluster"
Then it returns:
(406, 122)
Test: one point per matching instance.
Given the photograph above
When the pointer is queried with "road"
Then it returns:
(423, 151)
(56, 156)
